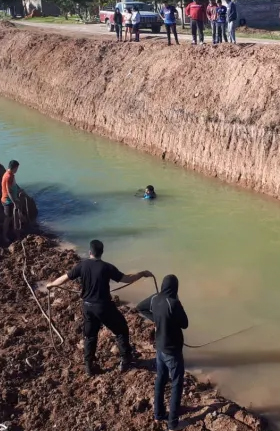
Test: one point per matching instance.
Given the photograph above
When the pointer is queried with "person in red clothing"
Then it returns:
(196, 12)
(9, 198)
(211, 13)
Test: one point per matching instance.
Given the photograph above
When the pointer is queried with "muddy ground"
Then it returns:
(41, 391)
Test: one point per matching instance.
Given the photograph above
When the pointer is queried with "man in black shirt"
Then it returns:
(98, 307)
(166, 311)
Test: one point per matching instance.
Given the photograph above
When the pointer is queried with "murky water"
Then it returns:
(222, 242)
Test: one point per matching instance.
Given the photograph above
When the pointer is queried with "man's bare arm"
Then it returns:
(132, 278)
(59, 281)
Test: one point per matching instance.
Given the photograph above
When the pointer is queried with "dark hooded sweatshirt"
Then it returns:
(166, 311)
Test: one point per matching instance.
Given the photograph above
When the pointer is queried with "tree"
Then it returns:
(65, 6)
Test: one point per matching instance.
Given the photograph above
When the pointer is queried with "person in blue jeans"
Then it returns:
(221, 21)
(169, 317)
(169, 13)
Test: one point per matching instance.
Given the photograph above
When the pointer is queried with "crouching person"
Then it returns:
(169, 317)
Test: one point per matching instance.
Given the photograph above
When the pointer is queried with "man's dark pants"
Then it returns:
(107, 314)
(222, 31)
(214, 31)
(118, 28)
(197, 25)
(172, 27)
(173, 366)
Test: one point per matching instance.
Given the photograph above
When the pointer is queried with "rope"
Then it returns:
(35, 297)
(129, 284)
(219, 339)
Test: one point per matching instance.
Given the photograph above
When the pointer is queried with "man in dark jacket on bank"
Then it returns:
(98, 307)
(231, 19)
(166, 311)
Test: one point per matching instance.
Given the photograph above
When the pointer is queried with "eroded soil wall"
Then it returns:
(212, 109)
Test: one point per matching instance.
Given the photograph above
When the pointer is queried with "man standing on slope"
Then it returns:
(98, 307)
(9, 199)
(211, 13)
(166, 311)
(169, 13)
(196, 12)
(231, 18)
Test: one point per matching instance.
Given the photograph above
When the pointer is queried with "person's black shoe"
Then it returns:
(177, 43)
(92, 369)
(163, 418)
(125, 364)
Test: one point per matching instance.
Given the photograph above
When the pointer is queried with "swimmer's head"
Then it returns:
(150, 190)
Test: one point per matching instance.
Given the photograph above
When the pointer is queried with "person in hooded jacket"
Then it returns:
(169, 317)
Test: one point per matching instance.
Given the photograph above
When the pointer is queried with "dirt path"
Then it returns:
(101, 30)
(46, 392)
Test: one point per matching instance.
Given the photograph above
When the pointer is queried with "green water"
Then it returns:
(222, 242)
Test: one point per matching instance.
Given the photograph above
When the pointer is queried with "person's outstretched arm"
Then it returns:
(132, 278)
(71, 275)
(59, 281)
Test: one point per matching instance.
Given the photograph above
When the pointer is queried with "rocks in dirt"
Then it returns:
(55, 393)
(6, 24)
(223, 422)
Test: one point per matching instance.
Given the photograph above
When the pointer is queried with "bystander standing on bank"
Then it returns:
(196, 12)
(169, 13)
(211, 13)
(128, 24)
(221, 22)
(118, 22)
(136, 23)
(231, 18)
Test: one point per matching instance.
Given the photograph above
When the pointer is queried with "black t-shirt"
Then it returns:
(95, 278)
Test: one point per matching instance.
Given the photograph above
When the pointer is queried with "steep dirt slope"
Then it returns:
(212, 109)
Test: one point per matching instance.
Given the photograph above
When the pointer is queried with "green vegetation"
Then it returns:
(56, 20)
(240, 33)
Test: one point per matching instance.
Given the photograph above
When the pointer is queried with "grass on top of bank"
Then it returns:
(241, 32)
(53, 20)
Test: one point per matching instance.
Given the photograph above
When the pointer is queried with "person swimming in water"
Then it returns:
(149, 193)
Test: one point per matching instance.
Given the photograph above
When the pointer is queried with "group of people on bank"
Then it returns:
(222, 19)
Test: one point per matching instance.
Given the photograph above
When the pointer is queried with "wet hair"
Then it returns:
(13, 164)
(96, 248)
(150, 188)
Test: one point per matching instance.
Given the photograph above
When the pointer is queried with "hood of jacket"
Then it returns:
(169, 286)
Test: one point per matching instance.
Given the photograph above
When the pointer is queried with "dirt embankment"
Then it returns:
(41, 391)
(212, 109)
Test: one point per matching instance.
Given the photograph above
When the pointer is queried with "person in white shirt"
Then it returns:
(136, 23)
(128, 24)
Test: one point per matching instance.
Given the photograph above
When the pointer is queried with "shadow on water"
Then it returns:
(219, 359)
(56, 203)
(273, 412)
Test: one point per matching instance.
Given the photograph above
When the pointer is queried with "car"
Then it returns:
(149, 19)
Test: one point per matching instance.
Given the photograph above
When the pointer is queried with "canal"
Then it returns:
(222, 242)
